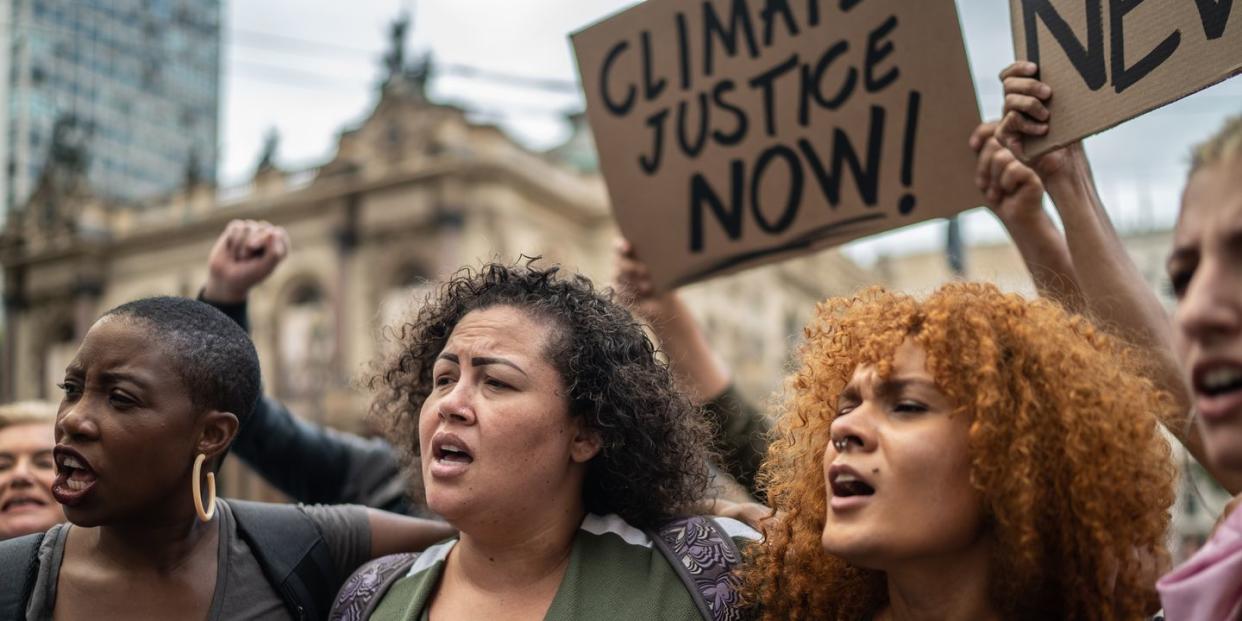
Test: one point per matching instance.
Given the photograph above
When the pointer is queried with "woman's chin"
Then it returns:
(1223, 444)
(32, 522)
(83, 517)
(452, 505)
(857, 551)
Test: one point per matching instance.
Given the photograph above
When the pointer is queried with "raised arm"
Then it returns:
(1114, 291)
(741, 428)
(317, 465)
(310, 463)
(1015, 194)
(244, 255)
(701, 372)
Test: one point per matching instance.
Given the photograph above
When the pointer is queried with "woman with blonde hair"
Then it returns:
(972, 455)
(27, 469)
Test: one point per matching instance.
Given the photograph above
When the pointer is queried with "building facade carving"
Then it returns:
(412, 194)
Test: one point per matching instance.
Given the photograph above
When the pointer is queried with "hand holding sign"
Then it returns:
(631, 279)
(1013, 191)
(1155, 52)
(1026, 116)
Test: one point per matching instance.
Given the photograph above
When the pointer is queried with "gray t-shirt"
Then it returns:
(242, 591)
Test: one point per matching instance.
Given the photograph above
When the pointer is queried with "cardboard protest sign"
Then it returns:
(1109, 61)
(738, 132)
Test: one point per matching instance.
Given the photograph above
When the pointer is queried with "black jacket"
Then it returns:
(316, 464)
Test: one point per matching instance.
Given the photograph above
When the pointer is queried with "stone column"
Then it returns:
(346, 249)
(14, 304)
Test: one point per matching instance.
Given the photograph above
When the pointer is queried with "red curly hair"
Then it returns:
(1075, 477)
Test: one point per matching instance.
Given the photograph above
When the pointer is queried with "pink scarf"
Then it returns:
(1208, 586)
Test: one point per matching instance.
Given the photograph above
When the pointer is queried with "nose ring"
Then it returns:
(840, 444)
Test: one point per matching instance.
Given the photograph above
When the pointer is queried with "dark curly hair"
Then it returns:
(1065, 449)
(652, 465)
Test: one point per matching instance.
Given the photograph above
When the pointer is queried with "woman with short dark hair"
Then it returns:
(152, 401)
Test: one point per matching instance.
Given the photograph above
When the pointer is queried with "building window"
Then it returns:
(58, 352)
(306, 340)
(405, 295)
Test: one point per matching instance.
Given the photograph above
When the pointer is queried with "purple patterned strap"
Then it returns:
(704, 556)
(363, 591)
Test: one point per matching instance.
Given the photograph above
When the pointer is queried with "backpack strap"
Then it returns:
(293, 554)
(704, 555)
(361, 594)
(19, 567)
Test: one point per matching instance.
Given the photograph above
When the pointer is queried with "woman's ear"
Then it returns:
(218, 429)
(586, 442)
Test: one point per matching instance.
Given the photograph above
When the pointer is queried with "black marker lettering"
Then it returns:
(617, 109)
(866, 177)
(907, 201)
(651, 87)
(813, 83)
(766, 81)
(730, 217)
(1089, 61)
(692, 148)
(879, 48)
(650, 164)
(739, 132)
(1124, 77)
(794, 196)
(713, 28)
(683, 50)
(812, 12)
(1214, 14)
(771, 9)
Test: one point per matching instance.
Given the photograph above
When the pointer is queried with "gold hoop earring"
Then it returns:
(204, 515)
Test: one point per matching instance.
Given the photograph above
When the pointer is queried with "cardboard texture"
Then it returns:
(1109, 61)
(733, 133)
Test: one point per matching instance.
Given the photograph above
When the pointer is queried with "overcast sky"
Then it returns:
(308, 73)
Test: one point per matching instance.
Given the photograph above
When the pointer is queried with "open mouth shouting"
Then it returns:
(1218, 389)
(450, 456)
(74, 476)
(849, 489)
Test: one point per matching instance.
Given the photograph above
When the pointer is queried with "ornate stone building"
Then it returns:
(413, 193)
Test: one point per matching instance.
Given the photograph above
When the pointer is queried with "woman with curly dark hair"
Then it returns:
(541, 424)
(973, 455)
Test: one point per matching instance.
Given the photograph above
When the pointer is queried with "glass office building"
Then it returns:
(135, 81)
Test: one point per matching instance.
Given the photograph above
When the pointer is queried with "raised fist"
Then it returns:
(246, 253)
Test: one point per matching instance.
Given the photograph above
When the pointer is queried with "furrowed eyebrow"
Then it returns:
(112, 377)
(481, 361)
(484, 361)
(890, 387)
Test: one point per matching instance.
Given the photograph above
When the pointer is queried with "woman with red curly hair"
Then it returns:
(973, 455)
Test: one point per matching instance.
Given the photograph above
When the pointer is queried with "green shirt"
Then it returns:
(615, 572)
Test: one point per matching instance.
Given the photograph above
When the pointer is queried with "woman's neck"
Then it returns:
(160, 545)
(953, 587)
(515, 553)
